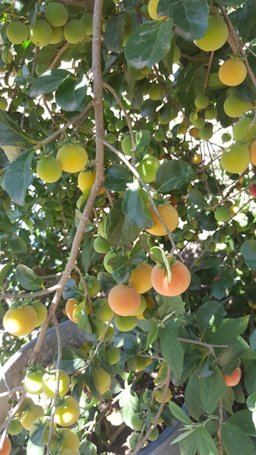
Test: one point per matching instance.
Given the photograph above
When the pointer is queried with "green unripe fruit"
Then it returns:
(226, 137)
(86, 20)
(199, 123)
(49, 169)
(236, 159)
(223, 214)
(125, 323)
(41, 33)
(155, 91)
(133, 440)
(216, 35)
(56, 14)
(17, 32)
(147, 168)
(103, 310)
(93, 286)
(244, 130)
(206, 132)
(119, 124)
(139, 363)
(109, 255)
(3, 104)
(126, 145)
(137, 422)
(202, 101)
(57, 35)
(153, 435)
(6, 56)
(15, 427)
(210, 113)
(159, 135)
(74, 31)
(235, 107)
(110, 333)
(101, 245)
(113, 355)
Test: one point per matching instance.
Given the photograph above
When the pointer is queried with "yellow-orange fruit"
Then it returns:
(70, 308)
(124, 300)
(234, 378)
(140, 278)
(232, 72)
(169, 215)
(178, 284)
(216, 35)
(20, 321)
(152, 10)
(7, 447)
(72, 157)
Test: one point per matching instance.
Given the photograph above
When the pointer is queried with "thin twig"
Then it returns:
(85, 288)
(5, 425)
(220, 427)
(10, 392)
(202, 343)
(58, 55)
(208, 70)
(29, 295)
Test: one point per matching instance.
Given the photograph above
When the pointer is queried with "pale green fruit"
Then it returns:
(103, 310)
(86, 20)
(223, 214)
(210, 113)
(74, 31)
(126, 145)
(49, 169)
(56, 14)
(202, 101)
(57, 35)
(236, 159)
(125, 323)
(216, 35)
(155, 91)
(41, 33)
(3, 104)
(17, 32)
(147, 168)
(113, 355)
(244, 130)
(235, 107)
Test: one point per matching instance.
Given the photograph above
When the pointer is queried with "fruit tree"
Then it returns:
(127, 204)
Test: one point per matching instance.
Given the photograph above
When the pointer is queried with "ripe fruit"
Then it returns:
(57, 35)
(56, 14)
(178, 284)
(68, 439)
(202, 101)
(125, 324)
(223, 214)
(197, 158)
(216, 35)
(101, 245)
(147, 168)
(126, 145)
(253, 153)
(155, 91)
(152, 10)
(86, 180)
(14, 428)
(102, 380)
(103, 311)
(252, 189)
(72, 157)
(236, 159)
(244, 130)
(123, 300)
(67, 412)
(17, 32)
(235, 107)
(33, 381)
(142, 307)
(170, 217)
(232, 72)
(41, 33)
(74, 31)
(113, 355)
(234, 378)
(70, 308)
(29, 416)
(20, 321)
(140, 278)
(41, 312)
(6, 447)
(49, 383)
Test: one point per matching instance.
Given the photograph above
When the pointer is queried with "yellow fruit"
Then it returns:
(41, 33)
(57, 35)
(155, 91)
(20, 321)
(72, 157)
(232, 72)
(56, 14)
(216, 35)
(86, 180)
(202, 101)
(169, 215)
(152, 10)
(17, 32)
(3, 104)
(41, 312)
(236, 159)
(158, 395)
(68, 412)
(49, 383)
(197, 158)
(235, 107)
(74, 31)
(102, 380)
(140, 278)
(31, 414)
(69, 440)
(49, 169)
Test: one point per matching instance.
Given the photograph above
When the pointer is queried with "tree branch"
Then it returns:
(29, 295)
(58, 55)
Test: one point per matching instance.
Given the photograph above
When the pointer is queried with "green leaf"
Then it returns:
(179, 414)
(119, 230)
(70, 289)
(5, 269)
(114, 33)
(250, 378)
(149, 44)
(18, 177)
(173, 175)
(71, 360)
(230, 2)
(192, 400)
(235, 441)
(71, 93)
(129, 405)
(243, 419)
(158, 255)
(117, 177)
(211, 389)
(87, 448)
(133, 207)
(11, 133)
(205, 443)
(251, 402)
(48, 82)
(228, 399)
(248, 250)
(185, 14)
(171, 347)
(28, 279)
(168, 305)
(152, 335)
(83, 319)
(121, 268)
(87, 249)
(188, 445)
(209, 315)
(35, 445)
(143, 138)
(228, 330)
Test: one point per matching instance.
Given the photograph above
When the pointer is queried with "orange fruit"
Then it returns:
(178, 284)
(234, 378)
(6, 448)
(140, 278)
(170, 217)
(124, 300)
(232, 72)
(70, 308)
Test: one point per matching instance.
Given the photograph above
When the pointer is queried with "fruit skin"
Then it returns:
(244, 130)
(142, 307)
(41, 312)
(223, 214)
(158, 395)
(153, 435)
(86, 180)
(236, 159)
(252, 190)
(137, 422)
(216, 35)
(125, 324)
(33, 381)
(56, 14)
(74, 31)
(139, 363)
(253, 153)
(102, 380)
(41, 33)
(234, 378)
(235, 107)
(3, 104)
(108, 267)
(103, 311)
(155, 91)
(179, 283)
(113, 355)
(126, 145)
(17, 32)
(68, 412)
(152, 10)
(69, 440)
(7, 447)
(72, 157)
(147, 168)
(29, 416)
(169, 215)
(101, 245)
(57, 35)
(123, 300)
(232, 72)
(202, 101)
(15, 428)
(140, 278)
(70, 308)
(20, 321)
(49, 383)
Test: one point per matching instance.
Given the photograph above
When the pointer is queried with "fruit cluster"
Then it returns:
(20, 321)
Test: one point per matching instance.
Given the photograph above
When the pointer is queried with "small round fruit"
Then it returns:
(201, 102)
(86, 180)
(29, 416)
(102, 380)
(158, 395)
(123, 300)
(70, 308)
(223, 214)
(179, 283)
(33, 381)
(139, 363)
(69, 439)
(125, 324)
(153, 435)
(3, 103)
(232, 72)
(236, 107)
(197, 158)
(206, 132)
(74, 31)
(41, 312)
(136, 422)
(41, 33)
(101, 245)
(170, 216)
(57, 35)
(140, 278)
(226, 137)
(72, 157)
(152, 10)
(210, 113)
(67, 413)
(49, 383)
(6, 447)
(20, 321)
(234, 378)
(103, 311)
(142, 307)
(17, 32)
(133, 440)
(236, 159)
(253, 153)
(56, 14)
(244, 130)
(14, 428)
(216, 35)
(147, 168)
(126, 145)
(113, 355)
(93, 286)
(155, 91)
(110, 255)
